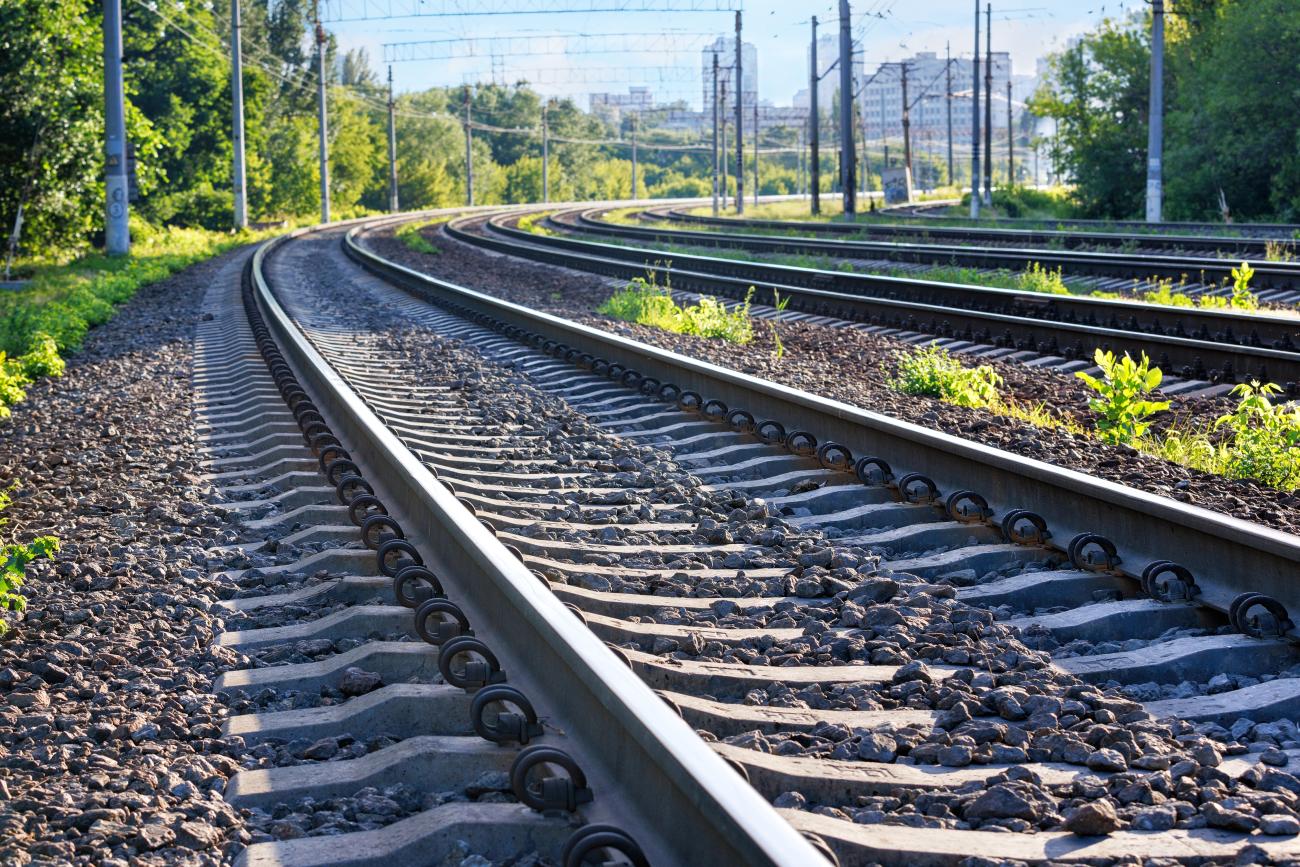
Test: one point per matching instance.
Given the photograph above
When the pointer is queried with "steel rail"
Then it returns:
(1229, 556)
(1218, 244)
(687, 804)
(926, 211)
(1285, 275)
(1026, 320)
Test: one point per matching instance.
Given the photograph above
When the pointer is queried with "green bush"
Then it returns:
(1121, 400)
(1036, 278)
(932, 372)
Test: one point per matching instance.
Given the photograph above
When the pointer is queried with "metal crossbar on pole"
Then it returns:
(359, 10)
(543, 45)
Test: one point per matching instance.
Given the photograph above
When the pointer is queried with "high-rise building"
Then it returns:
(725, 49)
(927, 95)
(613, 106)
(828, 83)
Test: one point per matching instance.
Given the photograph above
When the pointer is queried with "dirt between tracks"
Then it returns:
(854, 367)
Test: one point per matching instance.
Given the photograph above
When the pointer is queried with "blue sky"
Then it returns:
(890, 29)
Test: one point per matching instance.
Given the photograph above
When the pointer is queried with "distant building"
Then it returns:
(927, 95)
(828, 83)
(613, 106)
(725, 49)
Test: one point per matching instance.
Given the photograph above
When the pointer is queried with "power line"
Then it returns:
(359, 10)
(664, 42)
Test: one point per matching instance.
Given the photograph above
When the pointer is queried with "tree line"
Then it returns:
(178, 116)
(1232, 112)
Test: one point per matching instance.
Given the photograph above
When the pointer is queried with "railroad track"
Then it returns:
(858, 615)
(931, 211)
(1143, 238)
(1111, 271)
(1202, 351)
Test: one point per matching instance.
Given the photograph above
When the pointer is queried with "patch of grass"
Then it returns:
(931, 371)
(412, 235)
(644, 302)
(50, 318)
(533, 223)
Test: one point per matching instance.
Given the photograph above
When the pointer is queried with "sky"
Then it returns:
(779, 29)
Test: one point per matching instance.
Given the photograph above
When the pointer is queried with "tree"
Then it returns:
(1097, 91)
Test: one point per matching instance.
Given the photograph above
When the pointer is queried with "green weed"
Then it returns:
(644, 302)
(932, 372)
(1036, 278)
(1265, 437)
(14, 557)
(1242, 297)
(411, 235)
(1121, 400)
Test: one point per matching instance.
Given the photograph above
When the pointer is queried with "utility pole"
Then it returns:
(117, 234)
(907, 128)
(847, 158)
(716, 109)
(724, 144)
(634, 120)
(237, 106)
(392, 146)
(803, 169)
(740, 124)
(1155, 126)
(988, 103)
(1011, 141)
(948, 72)
(322, 122)
(469, 154)
(975, 124)
(546, 157)
(756, 150)
(814, 127)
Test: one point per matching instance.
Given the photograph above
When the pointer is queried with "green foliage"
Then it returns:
(1230, 129)
(1121, 402)
(932, 372)
(1022, 203)
(51, 317)
(14, 557)
(1036, 278)
(646, 303)
(412, 236)
(1242, 297)
(1265, 437)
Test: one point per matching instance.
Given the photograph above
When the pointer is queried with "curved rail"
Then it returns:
(687, 801)
(1214, 244)
(1221, 546)
(1069, 326)
(1206, 271)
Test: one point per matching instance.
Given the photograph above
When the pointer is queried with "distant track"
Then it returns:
(1199, 346)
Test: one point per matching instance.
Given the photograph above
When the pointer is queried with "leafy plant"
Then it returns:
(1121, 400)
(1265, 437)
(1242, 297)
(14, 557)
(932, 372)
(1279, 251)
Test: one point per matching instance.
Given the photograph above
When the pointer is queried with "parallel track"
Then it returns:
(1195, 273)
(1248, 247)
(1198, 346)
(913, 512)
